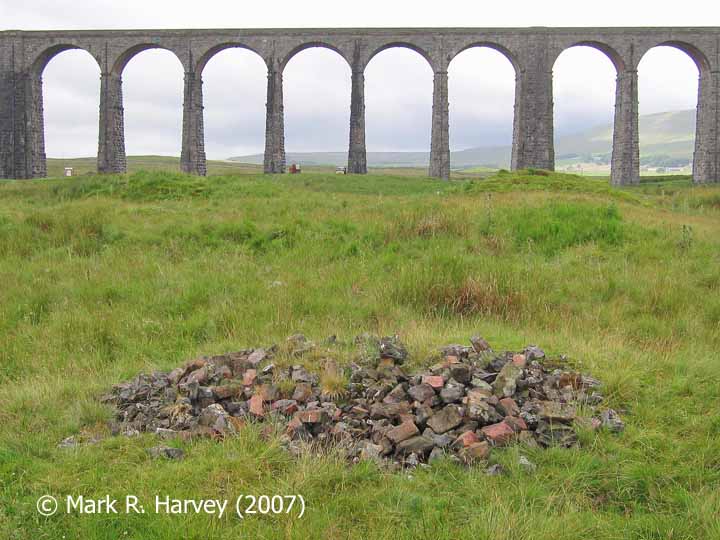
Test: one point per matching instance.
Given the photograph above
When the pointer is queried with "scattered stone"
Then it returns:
(298, 345)
(478, 451)
(164, 433)
(555, 411)
(532, 352)
(466, 439)
(519, 360)
(472, 401)
(555, 435)
(167, 452)
(479, 344)
(249, 377)
(392, 347)
(526, 464)
(311, 416)
(255, 404)
(303, 392)
(436, 454)
(611, 421)
(370, 451)
(494, 470)
(69, 442)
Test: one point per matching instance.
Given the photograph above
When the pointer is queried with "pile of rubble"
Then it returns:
(471, 400)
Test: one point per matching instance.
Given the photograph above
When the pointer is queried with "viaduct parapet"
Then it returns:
(532, 52)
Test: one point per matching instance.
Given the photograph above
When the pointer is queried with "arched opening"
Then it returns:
(71, 99)
(153, 102)
(234, 95)
(398, 108)
(316, 87)
(584, 80)
(668, 96)
(481, 88)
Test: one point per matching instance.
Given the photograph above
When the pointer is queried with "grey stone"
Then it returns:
(370, 451)
(415, 445)
(166, 452)
(555, 435)
(526, 464)
(68, 442)
(436, 454)
(462, 373)
(165, 433)
(494, 470)
(421, 392)
(452, 392)
(392, 347)
(479, 344)
(440, 440)
(506, 381)
(396, 395)
(611, 421)
(445, 419)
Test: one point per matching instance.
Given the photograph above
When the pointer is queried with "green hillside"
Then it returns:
(670, 134)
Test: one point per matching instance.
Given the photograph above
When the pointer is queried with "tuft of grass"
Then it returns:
(558, 226)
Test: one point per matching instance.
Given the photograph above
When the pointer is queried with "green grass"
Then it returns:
(103, 277)
(87, 166)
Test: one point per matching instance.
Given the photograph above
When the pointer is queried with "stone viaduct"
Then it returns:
(532, 52)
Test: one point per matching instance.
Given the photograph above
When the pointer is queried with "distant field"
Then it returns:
(88, 166)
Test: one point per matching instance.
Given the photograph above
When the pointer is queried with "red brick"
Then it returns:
(498, 434)
(466, 439)
(508, 407)
(256, 405)
(519, 360)
(478, 451)
(226, 391)
(402, 432)
(515, 422)
(436, 381)
(249, 377)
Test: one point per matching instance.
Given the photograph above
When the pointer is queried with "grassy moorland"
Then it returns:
(87, 166)
(104, 277)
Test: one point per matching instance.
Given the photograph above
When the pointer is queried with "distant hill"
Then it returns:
(670, 134)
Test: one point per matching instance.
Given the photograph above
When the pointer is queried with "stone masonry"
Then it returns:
(531, 51)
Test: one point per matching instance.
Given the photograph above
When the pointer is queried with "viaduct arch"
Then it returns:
(532, 52)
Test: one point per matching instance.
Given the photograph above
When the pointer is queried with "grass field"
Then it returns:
(88, 166)
(104, 277)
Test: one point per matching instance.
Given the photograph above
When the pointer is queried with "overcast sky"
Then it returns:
(317, 81)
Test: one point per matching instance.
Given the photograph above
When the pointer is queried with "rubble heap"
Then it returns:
(471, 400)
